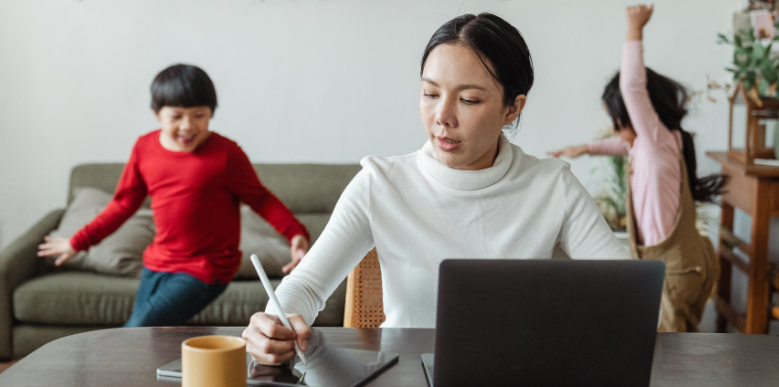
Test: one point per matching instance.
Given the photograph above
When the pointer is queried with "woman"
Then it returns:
(467, 193)
(647, 110)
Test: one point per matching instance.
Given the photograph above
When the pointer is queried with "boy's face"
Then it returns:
(183, 129)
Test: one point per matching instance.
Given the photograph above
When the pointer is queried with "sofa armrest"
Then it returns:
(19, 263)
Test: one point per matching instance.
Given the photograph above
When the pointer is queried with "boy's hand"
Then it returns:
(637, 17)
(298, 249)
(571, 151)
(56, 246)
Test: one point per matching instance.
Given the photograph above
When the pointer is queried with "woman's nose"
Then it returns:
(446, 113)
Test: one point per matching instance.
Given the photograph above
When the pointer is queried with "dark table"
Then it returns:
(130, 356)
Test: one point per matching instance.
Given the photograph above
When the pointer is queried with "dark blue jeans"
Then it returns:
(170, 299)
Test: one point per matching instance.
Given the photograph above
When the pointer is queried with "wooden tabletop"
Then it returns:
(130, 356)
(749, 170)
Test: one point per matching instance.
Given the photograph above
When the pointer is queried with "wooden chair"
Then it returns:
(364, 304)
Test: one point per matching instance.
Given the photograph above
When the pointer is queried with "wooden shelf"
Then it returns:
(749, 170)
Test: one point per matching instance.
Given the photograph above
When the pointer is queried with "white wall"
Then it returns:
(306, 80)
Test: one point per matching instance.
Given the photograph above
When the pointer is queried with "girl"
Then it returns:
(467, 193)
(647, 109)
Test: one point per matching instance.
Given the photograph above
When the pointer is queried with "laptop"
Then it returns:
(545, 323)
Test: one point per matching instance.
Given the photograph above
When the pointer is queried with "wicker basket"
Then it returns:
(364, 304)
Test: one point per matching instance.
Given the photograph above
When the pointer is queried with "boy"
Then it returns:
(196, 179)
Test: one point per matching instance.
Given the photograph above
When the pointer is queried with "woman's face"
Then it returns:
(462, 108)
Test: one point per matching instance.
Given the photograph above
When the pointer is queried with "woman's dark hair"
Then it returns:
(182, 86)
(495, 41)
(668, 98)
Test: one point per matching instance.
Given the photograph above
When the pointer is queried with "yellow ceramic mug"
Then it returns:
(213, 361)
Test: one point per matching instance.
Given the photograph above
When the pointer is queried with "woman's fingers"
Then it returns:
(267, 341)
(271, 327)
(302, 330)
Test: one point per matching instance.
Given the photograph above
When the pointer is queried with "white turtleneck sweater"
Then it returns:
(417, 212)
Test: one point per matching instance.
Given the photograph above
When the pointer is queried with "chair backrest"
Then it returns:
(364, 304)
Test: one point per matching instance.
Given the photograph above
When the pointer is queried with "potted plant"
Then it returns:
(754, 65)
(611, 201)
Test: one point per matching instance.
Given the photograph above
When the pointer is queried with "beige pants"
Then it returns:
(688, 284)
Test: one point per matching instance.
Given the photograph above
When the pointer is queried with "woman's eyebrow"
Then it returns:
(458, 88)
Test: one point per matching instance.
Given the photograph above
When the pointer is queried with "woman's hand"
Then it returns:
(637, 17)
(270, 343)
(298, 250)
(56, 246)
(570, 152)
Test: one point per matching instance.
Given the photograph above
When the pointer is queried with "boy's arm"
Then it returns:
(243, 182)
(612, 146)
(130, 194)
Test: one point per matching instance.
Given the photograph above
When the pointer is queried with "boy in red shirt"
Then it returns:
(196, 179)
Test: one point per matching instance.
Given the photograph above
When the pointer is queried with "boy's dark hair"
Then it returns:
(495, 40)
(182, 86)
(668, 98)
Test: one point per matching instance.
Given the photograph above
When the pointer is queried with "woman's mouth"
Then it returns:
(447, 144)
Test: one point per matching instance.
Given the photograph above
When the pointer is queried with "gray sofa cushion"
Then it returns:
(121, 253)
(88, 299)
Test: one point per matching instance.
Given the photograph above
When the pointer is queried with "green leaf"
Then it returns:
(737, 40)
(762, 87)
(722, 39)
(748, 84)
(758, 52)
(751, 35)
(731, 69)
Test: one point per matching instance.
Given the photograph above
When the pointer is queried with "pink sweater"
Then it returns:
(656, 175)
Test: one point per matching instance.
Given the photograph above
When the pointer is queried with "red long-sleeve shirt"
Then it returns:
(195, 199)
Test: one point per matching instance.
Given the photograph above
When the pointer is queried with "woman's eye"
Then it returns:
(430, 95)
(469, 101)
(175, 118)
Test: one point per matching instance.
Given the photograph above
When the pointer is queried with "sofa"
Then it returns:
(39, 305)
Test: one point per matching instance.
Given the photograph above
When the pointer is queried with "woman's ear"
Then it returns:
(157, 115)
(515, 109)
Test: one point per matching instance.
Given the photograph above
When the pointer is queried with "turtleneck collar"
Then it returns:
(465, 180)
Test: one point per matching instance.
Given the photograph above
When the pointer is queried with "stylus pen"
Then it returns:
(275, 301)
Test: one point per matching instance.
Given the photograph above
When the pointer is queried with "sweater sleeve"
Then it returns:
(632, 84)
(584, 233)
(613, 146)
(243, 182)
(130, 194)
(343, 243)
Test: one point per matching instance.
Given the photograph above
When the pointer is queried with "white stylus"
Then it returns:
(275, 301)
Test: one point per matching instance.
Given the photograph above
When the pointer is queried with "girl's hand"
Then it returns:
(270, 343)
(570, 152)
(56, 246)
(637, 17)
(298, 249)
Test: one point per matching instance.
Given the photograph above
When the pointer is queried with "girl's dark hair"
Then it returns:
(668, 98)
(495, 41)
(182, 86)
